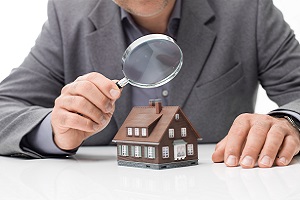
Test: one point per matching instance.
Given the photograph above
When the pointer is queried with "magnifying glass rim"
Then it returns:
(140, 41)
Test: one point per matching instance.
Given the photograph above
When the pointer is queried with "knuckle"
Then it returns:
(243, 116)
(242, 120)
(103, 100)
(63, 120)
(92, 76)
(250, 148)
(293, 143)
(57, 101)
(79, 102)
(231, 151)
(66, 88)
(276, 132)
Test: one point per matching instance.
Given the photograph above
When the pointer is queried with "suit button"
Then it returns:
(165, 93)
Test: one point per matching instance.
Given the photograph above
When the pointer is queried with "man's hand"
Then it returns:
(84, 108)
(258, 138)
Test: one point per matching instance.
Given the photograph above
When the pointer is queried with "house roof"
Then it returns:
(146, 115)
(148, 119)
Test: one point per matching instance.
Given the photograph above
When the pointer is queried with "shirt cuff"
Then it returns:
(40, 140)
(287, 112)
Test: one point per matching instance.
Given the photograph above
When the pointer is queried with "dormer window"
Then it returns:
(129, 131)
(176, 116)
(136, 132)
(183, 132)
(171, 133)
(144, 132)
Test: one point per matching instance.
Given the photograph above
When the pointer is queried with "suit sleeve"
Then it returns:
(278, 57)
(27, 95)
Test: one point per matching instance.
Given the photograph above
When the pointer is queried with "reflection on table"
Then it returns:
(93, 174)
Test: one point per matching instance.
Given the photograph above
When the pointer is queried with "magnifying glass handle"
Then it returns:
(121, 83)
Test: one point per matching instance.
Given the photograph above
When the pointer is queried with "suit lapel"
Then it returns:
(196, 40)
(106, 44)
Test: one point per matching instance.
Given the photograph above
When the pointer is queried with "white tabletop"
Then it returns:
(94, 174)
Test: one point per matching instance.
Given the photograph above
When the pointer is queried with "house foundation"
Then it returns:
(158, 166)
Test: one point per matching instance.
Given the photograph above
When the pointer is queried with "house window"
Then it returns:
(171, 133)
(190, 149)
(183, 132)
(129, 131)
(124, 150)
(165, 152)
(138, 151)
(136, 132)
(144, 132)
(151, 152)
(176, 116)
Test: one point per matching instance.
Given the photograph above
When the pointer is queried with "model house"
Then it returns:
(157, 137)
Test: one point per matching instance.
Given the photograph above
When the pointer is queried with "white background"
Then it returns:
(21, 22)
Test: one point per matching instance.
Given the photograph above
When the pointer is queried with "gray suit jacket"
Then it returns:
(229, 48)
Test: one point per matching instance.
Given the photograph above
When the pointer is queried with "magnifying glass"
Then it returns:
(151, 61)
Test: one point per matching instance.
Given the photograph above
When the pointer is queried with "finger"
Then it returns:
(288, 149)
(218, 155)
(90, 92)
(272, 144)
(235, 140)
(67, 120)
(79, 104)
(107, 86)
(255, 142)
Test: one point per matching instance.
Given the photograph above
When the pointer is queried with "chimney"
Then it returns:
(157, 103)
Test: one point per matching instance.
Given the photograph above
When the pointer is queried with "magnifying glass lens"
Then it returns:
(152, 62)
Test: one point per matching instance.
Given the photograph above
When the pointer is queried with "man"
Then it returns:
(63, 95)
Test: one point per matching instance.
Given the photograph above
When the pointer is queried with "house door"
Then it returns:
(179, 149)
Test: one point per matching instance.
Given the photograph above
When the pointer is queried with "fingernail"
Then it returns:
(114, 93)
(247, 161)
(283, 160)
(266, 160)
(231, 160)
(96, 127)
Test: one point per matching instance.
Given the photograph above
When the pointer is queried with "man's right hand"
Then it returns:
(84, 108)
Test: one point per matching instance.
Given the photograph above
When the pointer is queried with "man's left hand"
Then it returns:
(261, 139)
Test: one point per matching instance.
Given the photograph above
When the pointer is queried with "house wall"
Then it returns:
(166, 141)
(139, 159)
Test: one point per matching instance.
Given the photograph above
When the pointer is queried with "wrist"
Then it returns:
(292, 120)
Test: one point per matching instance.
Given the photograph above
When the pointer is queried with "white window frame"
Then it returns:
(137, 151)
(129, 131)
(171, 133)
(136, 131)
(151, 152)
(190, 149)
(165, 152)
(177, 116)
(124, 150)
(144, 132)
(183, 132)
